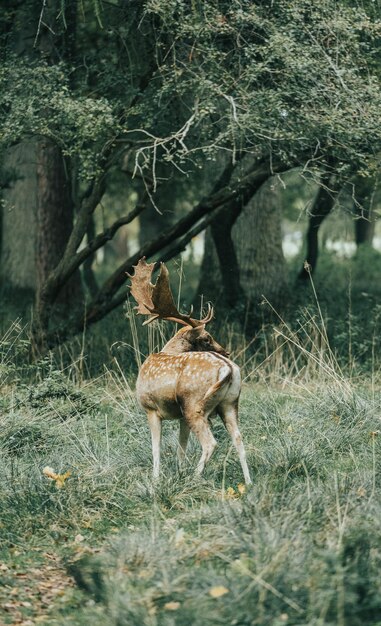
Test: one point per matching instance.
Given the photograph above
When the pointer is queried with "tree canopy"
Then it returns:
(274, 84)
(181, 81)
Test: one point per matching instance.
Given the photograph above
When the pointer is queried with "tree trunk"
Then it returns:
(321, 208)
(19, 219)
(257, 236)
(364, 228)
(38, 216)
(210, 281)
(55, 221)
(251, 254)
(227, 257)
(365, 223)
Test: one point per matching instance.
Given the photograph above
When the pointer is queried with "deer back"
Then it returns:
(201, 380)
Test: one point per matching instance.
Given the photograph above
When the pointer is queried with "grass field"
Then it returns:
(103, 546)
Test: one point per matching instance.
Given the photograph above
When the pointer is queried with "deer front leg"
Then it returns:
(229, 416)
(155, 426)
(183, 440)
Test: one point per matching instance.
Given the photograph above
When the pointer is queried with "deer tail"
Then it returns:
(224, 376)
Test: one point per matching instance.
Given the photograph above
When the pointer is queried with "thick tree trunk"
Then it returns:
(87, 271)
(251, 254)
(38, 218)
(227, 256)
(19, 219)
(257, 236)
(210, 282)
(55, 221)
(364, 228)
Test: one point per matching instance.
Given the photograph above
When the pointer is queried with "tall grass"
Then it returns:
(301, 547)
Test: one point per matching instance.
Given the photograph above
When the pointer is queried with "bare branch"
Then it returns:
(102, 238)
(170, 243)
(187, 228)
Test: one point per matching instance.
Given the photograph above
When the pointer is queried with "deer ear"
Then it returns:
(196, 332)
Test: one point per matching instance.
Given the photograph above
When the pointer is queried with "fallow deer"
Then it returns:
(191, 379)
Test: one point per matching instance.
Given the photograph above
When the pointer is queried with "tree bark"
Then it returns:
(228, 260)
(257, 236)
(321, 208)
(365, 223)
(251, 262)
(55, 221)
(88, 272)
(19, 219)
(38, 216)
(210, 281)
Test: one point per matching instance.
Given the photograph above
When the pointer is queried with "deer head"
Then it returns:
(156, 301)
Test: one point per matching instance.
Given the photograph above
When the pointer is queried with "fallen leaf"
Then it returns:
(241, 488)
(218, 591)
(231, 493)
(58, 478)
(49, 472)
(172, 606)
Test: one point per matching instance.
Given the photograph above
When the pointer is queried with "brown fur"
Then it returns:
(191, 380)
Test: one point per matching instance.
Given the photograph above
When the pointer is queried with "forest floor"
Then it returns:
(86, 538)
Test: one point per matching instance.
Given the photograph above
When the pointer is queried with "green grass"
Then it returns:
(302, 546)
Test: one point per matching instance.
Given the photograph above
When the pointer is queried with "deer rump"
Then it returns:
(193, 385)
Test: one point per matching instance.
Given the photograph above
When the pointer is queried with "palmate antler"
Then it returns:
(157, 300)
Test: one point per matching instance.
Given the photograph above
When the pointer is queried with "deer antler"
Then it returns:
(157, 300)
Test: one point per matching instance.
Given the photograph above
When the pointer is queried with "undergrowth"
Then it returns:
(302, 546)
(86, 537)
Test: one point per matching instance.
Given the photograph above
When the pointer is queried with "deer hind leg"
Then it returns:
(201, 429)
(154, 422)
(183, 440)
(196, 417)
(229, 416)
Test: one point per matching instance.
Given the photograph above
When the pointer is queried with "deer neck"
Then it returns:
(175, 346)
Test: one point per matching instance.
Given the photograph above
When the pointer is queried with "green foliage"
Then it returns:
(292, 79)
(37, 100)
(289, 75)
